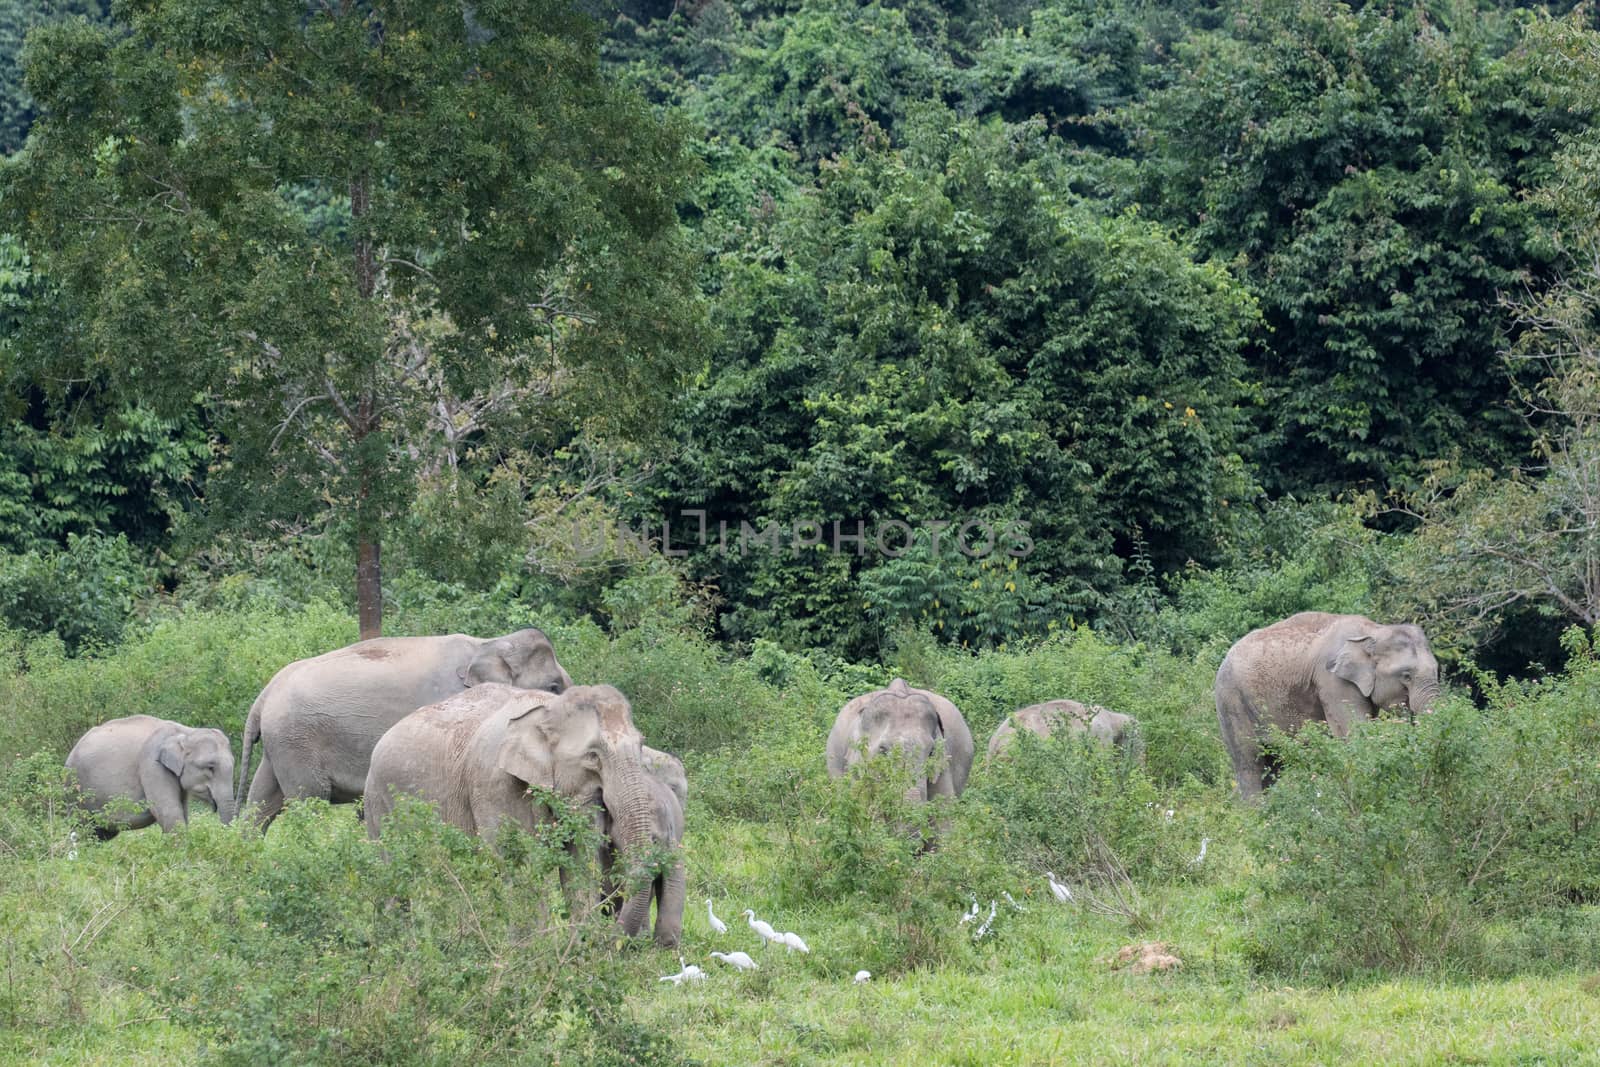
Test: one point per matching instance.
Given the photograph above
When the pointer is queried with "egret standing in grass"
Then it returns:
(762, 928)
(862, 976)
(792, 942)
(1198, 860)
(740, 960)
(717, 925)
(1062, 893)
(972, 913)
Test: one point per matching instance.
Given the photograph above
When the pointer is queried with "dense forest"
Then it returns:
(1143, 293)
(760, 351)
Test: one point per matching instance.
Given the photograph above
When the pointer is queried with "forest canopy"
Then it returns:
(1176, 301)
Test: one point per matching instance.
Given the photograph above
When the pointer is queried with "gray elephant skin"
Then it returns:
(1316, 667)
(318, 718)
(159, 764)
(474, 756)
(1110, 728)
(911, 722)
(669, 792)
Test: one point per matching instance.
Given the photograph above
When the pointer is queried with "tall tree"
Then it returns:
(256, 204)
(1363, 168)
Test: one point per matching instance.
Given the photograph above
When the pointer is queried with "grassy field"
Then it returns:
(1419, 894)
(1039, 990)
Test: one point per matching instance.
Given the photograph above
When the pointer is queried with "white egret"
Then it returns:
(717, 925)
(690, 973)
(984, 929)
(740, 960)
(792, 942)
(972, 913)
(1012, 901)
(862, 976)
(762, 928)
(1062, 893)
(1198, 860)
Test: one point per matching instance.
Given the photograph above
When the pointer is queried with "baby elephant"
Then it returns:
(668, 787)
(156, 763)
(1108, 727)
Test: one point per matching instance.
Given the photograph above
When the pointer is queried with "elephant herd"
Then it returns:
(493, 732)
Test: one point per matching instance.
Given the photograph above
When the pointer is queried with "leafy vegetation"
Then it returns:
(762, 353)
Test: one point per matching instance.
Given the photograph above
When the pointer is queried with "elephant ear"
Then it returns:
(1353, 662)
(525, 754)
(172, 756)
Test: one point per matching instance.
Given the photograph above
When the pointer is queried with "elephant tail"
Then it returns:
(252, 731)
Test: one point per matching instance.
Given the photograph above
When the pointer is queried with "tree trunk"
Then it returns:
(369, 587)
(369, 572)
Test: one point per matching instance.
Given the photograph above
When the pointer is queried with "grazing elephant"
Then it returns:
(319, 718)
(909, 721)
(1316, 667)
(1110, 728)
(156, 763)
(474, 755)
(669, 789)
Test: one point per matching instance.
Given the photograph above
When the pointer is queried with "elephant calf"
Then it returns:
(669, 794)
(1110, 728)
(156, 763)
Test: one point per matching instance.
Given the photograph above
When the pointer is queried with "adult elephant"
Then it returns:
(1316, 667)
(475, 755)
(159, 765)
(318, 718)
(911, 722)
(1110, 728)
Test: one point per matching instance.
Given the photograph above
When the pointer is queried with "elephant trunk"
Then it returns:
(918, 793)
(628, 801)
(227, 806)
(1422, 696)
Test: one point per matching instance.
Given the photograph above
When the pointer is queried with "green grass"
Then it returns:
(308, 947)
(1039, 992)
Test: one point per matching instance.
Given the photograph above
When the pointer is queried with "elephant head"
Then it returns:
(1116, 730)
(583, 744)
(202, 762)
(1390, 666)
(524, 659)
(901, 722)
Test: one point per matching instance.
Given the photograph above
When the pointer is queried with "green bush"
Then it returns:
(1067, 804)
(1285, 558)
(1418, 847)
(1170, 698)
(84, 593)
(858, 840)
(312, 945)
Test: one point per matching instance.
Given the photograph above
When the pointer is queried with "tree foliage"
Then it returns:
(478, 173)
(1362, 167)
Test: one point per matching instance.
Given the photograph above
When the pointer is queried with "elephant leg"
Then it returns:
(266, 795)
(670, 892)
(300, 777)
(164, 797)
(610, 898)
(1239, 735)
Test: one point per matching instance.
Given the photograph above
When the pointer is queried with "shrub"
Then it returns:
(1170, 698)
(84, 593)
(858, 839)
(1066, 804)
(312, 945)
(1420, 847)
